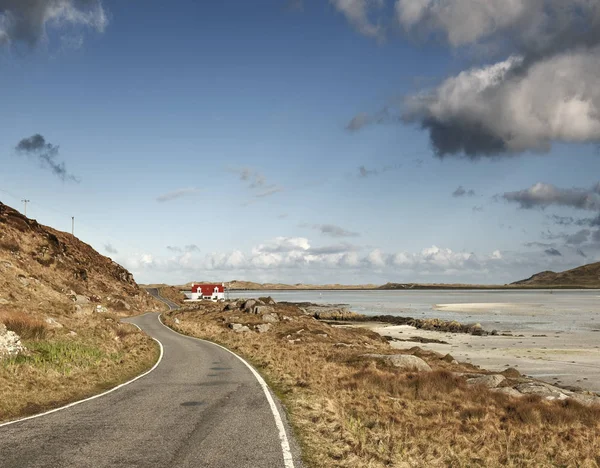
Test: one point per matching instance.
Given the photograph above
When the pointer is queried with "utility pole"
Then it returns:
(73, 225)
(25, 203)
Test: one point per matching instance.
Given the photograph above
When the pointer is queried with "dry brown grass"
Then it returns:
(24, 325)
(350, 411)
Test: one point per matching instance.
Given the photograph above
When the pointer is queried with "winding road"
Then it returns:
(201, 406)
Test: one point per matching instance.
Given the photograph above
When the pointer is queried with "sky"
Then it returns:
(313, 141)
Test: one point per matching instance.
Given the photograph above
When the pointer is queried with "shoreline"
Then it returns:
(550, 358)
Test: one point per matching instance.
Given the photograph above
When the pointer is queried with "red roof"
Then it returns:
(207, 289)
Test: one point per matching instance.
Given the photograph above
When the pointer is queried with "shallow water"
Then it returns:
(541, 310)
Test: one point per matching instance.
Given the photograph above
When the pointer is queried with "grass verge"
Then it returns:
(352, 411)
(83, 358)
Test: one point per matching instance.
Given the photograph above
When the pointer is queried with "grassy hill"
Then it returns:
(64, 300)
(587, 276)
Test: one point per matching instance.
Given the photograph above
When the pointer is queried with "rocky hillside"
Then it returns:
(587, 276)
(51, 272)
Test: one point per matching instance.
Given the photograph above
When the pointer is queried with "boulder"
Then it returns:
(489, 381)
(270, 318)
(10, 343)
(406, 362)
(268, 300)
(239, 328)
(3, 301)
(101, 309)
(262, 309)
(263, 327)
(248, 305)
(547, 391)
(509, 391)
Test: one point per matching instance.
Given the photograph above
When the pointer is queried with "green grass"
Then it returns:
(60, 356)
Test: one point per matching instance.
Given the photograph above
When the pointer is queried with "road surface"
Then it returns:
(200, 407)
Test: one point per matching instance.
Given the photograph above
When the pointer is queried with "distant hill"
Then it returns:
(43, 271)
(587, 276)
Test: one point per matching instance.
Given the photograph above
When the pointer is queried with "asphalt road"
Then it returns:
(200, 407)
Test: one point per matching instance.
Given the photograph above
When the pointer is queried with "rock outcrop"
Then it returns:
(10, 343)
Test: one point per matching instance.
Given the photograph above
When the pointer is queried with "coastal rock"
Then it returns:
(509, 391)
(248, 305)
(268, 300)
(262, 310)
(547, 391)
(489, 381)
(406, 362)
(10, 343)
(270, 318)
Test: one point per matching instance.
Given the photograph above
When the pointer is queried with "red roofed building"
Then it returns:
(211, 292)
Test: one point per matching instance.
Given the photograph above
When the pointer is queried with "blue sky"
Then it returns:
(316, 141)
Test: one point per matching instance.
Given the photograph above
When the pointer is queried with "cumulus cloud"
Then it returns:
(543, 195)
(175, 194)
(27, 21)
(36, 147)
(110, 249)
(462, 192)
(537, 85)
(331, 230)
(505, 108)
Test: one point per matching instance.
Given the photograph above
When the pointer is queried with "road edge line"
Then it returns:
(78, 402)
(288, 459)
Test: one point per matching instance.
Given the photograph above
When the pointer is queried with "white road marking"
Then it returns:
(288, 459)
(95, 396)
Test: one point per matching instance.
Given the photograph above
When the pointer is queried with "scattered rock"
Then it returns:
(489, 381)
(248, 305)
(52, 323)
(177, 321)
(267, 300)
(270, 318)
(239, 328)
(23, 280)
(508, 391)
(100, 309)
(80, 299)
(10, 343)
(547, 391)
(511, 373)
(262, 309)
(263, 327)
(403, 361)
